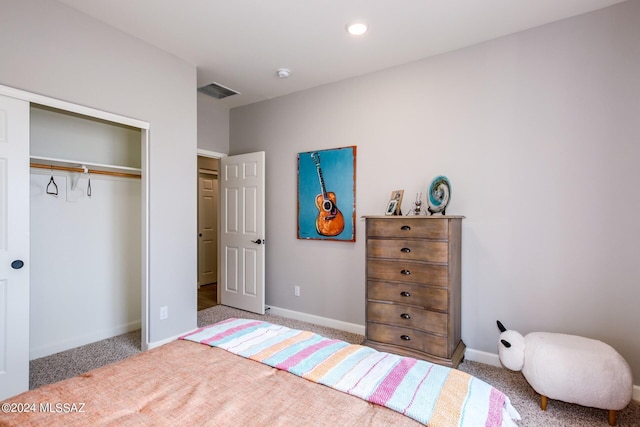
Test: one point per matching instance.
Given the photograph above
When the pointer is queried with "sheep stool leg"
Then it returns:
(543, 402)
(612, 412)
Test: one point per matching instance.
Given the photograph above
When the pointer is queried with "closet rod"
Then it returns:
(93, 171)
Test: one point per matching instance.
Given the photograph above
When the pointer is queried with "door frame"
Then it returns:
(144, 180)
(214, 155)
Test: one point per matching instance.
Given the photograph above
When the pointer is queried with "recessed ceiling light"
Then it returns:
(357, 29)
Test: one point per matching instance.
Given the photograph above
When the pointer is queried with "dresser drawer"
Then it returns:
(406, 293)
(435, 229)
(409, 338)
(417, 250)
(405, 316)
(408, 271)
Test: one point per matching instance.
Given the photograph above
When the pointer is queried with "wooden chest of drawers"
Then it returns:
(413, 287)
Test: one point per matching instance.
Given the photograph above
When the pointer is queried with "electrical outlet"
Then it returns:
(164, 312)
(296, 291)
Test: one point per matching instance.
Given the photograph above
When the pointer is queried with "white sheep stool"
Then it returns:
(570, 368)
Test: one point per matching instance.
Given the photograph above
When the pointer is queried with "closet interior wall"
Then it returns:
(86, 267)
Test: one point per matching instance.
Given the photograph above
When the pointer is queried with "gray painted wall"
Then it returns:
(53, 50)
(538, 133)
(213, 125)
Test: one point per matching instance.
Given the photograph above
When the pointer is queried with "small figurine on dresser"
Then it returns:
(417, 206)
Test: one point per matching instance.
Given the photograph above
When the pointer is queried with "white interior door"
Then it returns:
(14, 246)
(207, 228)
(242, 234)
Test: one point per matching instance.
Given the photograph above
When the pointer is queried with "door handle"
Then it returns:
(199, 234)
(17, 264)
(259, 241)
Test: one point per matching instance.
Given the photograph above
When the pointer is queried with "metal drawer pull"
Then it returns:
(405, 316)
(405, 250)
(405, 272)
(405, 337)
(405, 228)
(405, 294)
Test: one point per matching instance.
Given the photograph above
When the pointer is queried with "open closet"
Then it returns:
(74, 221)
(85, 229)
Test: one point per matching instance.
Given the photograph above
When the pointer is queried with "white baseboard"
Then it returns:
(166, 340)
(57, 347)
(317, 320)
(482, 357)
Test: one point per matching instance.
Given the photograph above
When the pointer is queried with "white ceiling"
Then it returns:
(241, 43)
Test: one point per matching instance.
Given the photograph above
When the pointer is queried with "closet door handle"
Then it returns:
(199, 234)
(17, 264)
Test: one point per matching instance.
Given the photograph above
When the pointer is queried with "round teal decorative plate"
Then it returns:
(439, 194)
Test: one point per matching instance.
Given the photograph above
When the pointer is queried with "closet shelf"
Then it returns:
(77, 166)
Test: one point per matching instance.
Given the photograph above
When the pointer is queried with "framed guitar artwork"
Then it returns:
(327, 194)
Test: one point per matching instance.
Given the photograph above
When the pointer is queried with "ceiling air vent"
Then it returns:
(217, 91)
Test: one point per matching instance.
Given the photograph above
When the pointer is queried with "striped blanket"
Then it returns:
(431, 394)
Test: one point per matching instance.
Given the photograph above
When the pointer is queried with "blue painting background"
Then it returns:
(338, 170)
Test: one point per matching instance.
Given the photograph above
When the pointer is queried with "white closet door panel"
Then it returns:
(14, 246)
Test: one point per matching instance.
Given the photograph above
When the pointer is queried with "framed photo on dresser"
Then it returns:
(394, 207)
(391, 207)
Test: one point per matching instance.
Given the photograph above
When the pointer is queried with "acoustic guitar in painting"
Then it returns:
(330, 221)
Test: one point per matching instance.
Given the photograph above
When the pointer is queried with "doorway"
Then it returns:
(207, 232)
